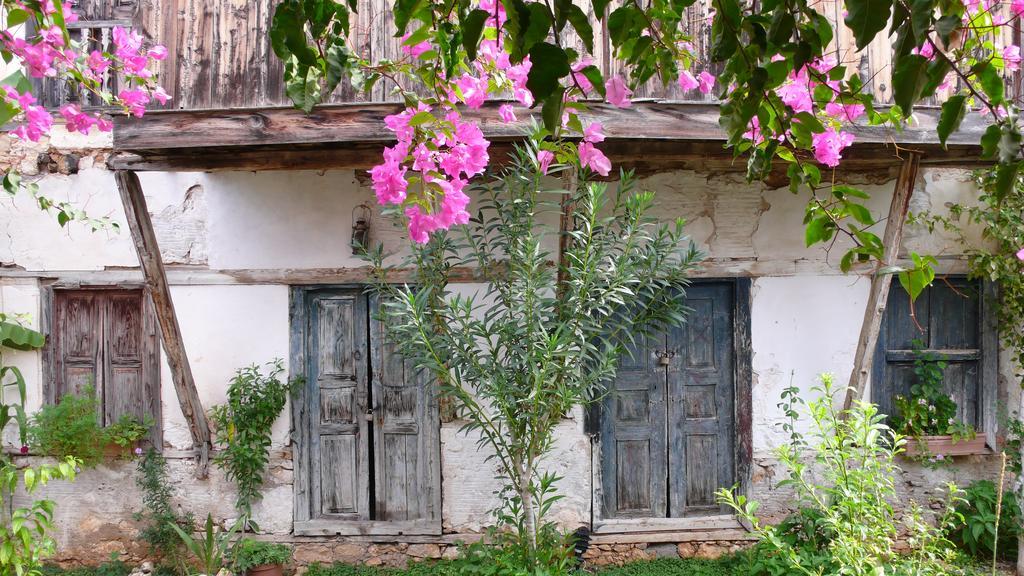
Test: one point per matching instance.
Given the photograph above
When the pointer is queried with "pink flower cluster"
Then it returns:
(590, 156)
(48, 54)
(446, 153)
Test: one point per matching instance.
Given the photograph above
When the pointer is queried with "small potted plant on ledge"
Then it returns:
(259, 558)
(125, 437)
(927, 416)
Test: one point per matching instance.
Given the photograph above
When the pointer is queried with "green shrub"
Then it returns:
(975, 532)
(255, 400)
(69, 428)
(843, 477)
(158, 512)
(426, 568)
(251, 553)
(504, 554)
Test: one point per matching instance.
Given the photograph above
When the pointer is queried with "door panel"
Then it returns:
(700, 411)
(633, 436)
(667, 429)
(406, 434)
(337, 385)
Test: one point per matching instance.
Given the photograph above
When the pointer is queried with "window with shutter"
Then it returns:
(668, 431)
(366, 423)
(106, 339)
(953, 319)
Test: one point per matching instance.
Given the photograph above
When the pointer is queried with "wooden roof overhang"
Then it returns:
(650, 136)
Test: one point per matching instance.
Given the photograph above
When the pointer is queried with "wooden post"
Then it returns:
(880, 283)
(571, 180)
(156, 280)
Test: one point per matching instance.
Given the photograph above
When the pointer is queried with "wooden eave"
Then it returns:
(649, 136)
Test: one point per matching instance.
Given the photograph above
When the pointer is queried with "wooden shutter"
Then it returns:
(406, 444)
(107, 339)
(336, 392)
(76, 337)
(633, 443)
(701, 398)
(954, 324)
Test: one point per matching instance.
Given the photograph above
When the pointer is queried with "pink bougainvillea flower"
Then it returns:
(128, 42)
(134, 100)
(97, 62)
(1020, 254)
(420, 224)
(474, 90)
(581, 79)
(506, 113)
(75, 120)
(707, 82)
(825, 64)
(594, 133)
(544, 158)
(37, 124)
(414, 50)
(1017, 7)
(517, 75)
(389, 182)
(594, 159)
(617, 93)
(1011, 58)
(844, 112)
(828, 146)
(103, 124)
(160, 95)
(687, 82)
(158, 52)
(926, 50)
(796, 95)
(754, 134)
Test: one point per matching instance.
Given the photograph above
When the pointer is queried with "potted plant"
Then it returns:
(928, 415)
(125, 436)
(259, 558)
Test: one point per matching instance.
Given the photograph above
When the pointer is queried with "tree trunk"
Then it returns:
(529, 517)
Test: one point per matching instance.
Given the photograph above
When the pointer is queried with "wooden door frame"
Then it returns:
(303, 524)
(742, 446)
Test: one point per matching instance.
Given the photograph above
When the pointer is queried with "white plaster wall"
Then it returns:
(225, 328)
(805, 314)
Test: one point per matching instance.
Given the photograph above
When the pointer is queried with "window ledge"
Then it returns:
(945, 446)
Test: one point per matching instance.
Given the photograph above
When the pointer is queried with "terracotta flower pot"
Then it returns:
(945, 446)
(266, 570)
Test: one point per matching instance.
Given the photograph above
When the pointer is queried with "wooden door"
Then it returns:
(667, 424)
(369, 434)
(336, 397)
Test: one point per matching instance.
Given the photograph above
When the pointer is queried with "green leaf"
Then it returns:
(472, 27)
(946, 25)
(18, 337)
(990, 141)
(599, 7)
(337, 65)
(539, 27)
(991, 81)
(593, 74)
(550, 64)
(551, 112)
(866, 18)
(581, 23)
(404, 11)
(1006, 177)
(860, 213)
(819, 229)
(908, 81)
(302, 84)
(953, 112)
(16, 17)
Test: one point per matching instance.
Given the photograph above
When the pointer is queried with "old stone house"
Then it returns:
(244, 221)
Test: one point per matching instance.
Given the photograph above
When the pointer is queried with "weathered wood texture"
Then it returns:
(649, 136)
(366, 423)
(667, 429)
(220, 55)
(952, 319)
(874, 311)
(103, 338)
(137, 215)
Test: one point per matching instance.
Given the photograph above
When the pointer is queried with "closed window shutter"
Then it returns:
(949, 323)
(107, 339)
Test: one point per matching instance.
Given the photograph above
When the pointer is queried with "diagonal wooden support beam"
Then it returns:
(880, 283)
(144, 238)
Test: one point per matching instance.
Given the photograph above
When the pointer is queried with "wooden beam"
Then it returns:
(648, 135)
(878, 297)
(156, 280)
